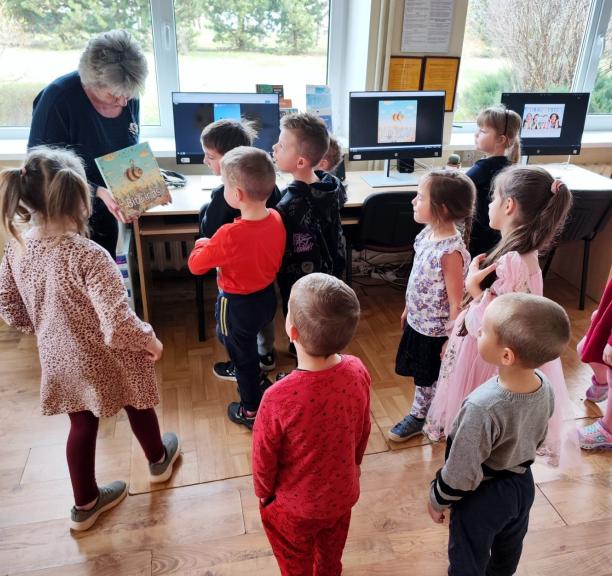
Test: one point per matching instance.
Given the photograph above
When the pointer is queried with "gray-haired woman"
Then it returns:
(95, 111)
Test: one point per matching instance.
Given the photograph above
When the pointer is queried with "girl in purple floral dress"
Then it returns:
(435, 288)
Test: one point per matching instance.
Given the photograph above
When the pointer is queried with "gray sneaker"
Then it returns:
(406, 428)
(109, 496)
(161, 472)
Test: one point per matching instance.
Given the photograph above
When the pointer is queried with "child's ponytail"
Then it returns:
(68, 199)
(51, 186)
(12, 192)
(542, 204)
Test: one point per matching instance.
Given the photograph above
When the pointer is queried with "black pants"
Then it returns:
(103, 227)
(239, 318)
(487, 527)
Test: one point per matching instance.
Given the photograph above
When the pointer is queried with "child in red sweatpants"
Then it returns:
(311, 432)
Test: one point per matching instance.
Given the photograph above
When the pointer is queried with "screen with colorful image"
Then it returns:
(397, 121)
(552, 122)
(193, 111)
(395, 125)
(542, 120)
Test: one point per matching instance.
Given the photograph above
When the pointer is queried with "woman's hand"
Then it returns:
(607, 356)
(106, 197)
(475, 276)
(437, 517)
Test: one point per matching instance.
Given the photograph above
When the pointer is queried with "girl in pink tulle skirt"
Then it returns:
(529, 208)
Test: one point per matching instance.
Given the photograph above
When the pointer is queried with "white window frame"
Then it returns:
(592, 48)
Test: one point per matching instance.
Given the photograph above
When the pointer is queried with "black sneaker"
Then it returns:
(266, 362)
(225, 371)
(264, 384)
(292, 351)
(235, 412)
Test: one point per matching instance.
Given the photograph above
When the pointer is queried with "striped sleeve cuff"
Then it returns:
(442, 495)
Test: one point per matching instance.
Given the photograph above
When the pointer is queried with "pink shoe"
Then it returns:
(596, 392)
(595, 436)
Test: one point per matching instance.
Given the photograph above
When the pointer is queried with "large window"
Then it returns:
(601, 98)
(518, 46)
(191, 45)
(234, 45)
(41, 41)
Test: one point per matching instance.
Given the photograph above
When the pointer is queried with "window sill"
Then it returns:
(593, 139)
(164, 147)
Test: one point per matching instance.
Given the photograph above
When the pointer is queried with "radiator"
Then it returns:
(170, 254)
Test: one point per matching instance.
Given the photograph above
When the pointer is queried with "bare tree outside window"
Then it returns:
(519, 45)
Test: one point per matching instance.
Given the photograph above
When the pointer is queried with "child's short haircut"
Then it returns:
(251, 170)
(325, 312)
(535, 328)
(311, 134)
(225, 135)
(333, 154)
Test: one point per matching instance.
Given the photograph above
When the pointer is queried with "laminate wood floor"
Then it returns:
(205, 521)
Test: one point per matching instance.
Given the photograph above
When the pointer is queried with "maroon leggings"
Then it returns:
(81, 447)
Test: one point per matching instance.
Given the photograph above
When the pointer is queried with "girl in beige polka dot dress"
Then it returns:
(96, 356)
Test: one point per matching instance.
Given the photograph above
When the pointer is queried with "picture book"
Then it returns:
(318, 102)
(133, 177)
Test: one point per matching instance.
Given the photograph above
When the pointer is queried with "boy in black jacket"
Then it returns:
(310, 206)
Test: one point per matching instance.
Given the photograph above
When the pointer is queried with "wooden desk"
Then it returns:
(180, 219)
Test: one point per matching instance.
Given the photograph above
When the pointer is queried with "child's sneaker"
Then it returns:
(161, 472)
(595, 436)
(266, 362)
(265, 383)
(109, 496)
(236, 413)
(406, 428)
(225, 371)
(282, 375)
(597, 392)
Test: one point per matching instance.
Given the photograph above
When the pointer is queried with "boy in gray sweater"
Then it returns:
(486, 479)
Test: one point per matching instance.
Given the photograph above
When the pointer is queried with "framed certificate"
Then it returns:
(405, 73)
(441, 73)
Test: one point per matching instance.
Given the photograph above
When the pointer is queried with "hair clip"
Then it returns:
(554, 187)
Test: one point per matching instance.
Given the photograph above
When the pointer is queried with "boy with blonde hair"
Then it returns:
(247, 254)
(486, 479)
(311, 432)
(310, 206)
(217, 139)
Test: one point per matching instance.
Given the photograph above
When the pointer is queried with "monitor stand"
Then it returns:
(386, 180)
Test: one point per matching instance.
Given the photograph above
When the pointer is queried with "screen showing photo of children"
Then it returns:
(397, 121)
(542, 120)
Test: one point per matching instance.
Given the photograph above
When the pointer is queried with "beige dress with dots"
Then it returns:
(69, 292)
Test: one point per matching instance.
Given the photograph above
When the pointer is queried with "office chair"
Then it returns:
(200, 285)
(589, 214)
(386, 225)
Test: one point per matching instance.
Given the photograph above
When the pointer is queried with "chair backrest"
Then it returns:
(587, 216)
(387, 221)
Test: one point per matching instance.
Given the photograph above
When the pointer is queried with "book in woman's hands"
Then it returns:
(133, 177)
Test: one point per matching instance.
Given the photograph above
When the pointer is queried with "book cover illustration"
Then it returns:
(133, 177)
(318, 102)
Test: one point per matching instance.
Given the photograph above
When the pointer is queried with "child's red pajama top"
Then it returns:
(248, 254)
(309, 439)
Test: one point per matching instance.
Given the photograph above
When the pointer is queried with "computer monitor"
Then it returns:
(552, 123)
(395, 125)
(195, 110)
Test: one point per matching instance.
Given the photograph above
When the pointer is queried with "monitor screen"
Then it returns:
(195, 110)
(387, 125)
(551, 123)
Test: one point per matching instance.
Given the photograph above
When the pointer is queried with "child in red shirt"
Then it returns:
(248, 253)
(311, 432)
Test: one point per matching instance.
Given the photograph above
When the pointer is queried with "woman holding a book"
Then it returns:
(95, 111)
